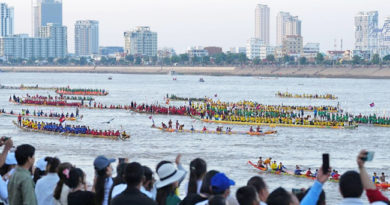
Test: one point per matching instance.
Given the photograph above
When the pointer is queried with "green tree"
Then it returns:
(257, 61)
(175, 59)
(138, 60)
(356, 59)
(166, 61)
(319, 58)
(376, 59)
(242, 58)
(83, 61)
(386, 58)
(130, 59)
(184, 58)
(286, 58)
(270, 58)
(220, 58)
(302, 60)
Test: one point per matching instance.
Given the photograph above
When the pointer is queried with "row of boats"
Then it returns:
(307, 96)
(61, 91)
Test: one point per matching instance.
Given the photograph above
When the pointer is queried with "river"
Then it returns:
(226, 153)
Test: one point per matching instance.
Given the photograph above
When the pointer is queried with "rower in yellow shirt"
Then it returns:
(274, 166)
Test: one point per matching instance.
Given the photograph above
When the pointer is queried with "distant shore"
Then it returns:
(267, 71)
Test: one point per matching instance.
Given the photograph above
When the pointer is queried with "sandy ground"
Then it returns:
(376, 72)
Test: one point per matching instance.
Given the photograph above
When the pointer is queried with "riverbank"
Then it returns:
(318, 72)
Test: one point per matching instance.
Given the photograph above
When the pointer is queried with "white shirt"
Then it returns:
(262, 203)
(44, 189)
(3, 191)
(351, 201)
(118, 189)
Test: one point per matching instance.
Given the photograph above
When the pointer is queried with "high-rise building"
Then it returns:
(262, 30)
(384, 39)
(23, 47)
(44, 12)
(253, 48)
(58, 44)
(86, 37)
(141, 41)
(287, 25)
(366, 34)
(7, 20)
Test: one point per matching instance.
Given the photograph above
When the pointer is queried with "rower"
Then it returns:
(181, 127)
(124, 134)
(268, 161)
(336, 176)
(204, 129)
(177, 124)
(297, 170)
(308, 173)
(281, 167)
(258, 129)
(164, 125)
(375, 178)
(170, 124)
(251, 129)
(274, 166)
(192, 128)
(260, 162)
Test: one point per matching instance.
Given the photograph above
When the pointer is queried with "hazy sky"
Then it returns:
(225, 23)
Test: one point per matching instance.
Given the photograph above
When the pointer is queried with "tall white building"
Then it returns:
(6, 20)
(262, 14)
(44, 12)
(384, 39)
(141, 41)
(287, 25)
(86, 37)
(253, 46)
(366, 31)
(58, 44)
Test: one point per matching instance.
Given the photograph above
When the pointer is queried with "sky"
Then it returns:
(224, 23)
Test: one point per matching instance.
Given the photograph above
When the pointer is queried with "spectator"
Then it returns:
(169, 181)
(21, 185)
(217, 200)
(40, 169)
(205, 191)
(62, 189)
(103, 180)
(119, 184)
(8, 145)
(260, 187)
(148, 187)
(281, 197)
(247, 196)
(133, 175)
(45, 186)
(198, 169)
(6, 172)
(313, 196)
(78, 194)
(220, 185)
(351, 188)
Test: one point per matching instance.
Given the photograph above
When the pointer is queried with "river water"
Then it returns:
(225, 153)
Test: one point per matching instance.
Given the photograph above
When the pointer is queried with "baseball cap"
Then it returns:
(102, 162)
(220, 183)
(41, 164)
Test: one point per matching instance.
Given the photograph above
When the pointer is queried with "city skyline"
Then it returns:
(212, 28)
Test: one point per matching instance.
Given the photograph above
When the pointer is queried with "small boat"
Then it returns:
(268, 132)
(110, 78)
(26, 129)
(201, 80)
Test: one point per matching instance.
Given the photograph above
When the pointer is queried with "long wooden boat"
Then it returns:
(81, 92)
(274, 124)
(268, 132)
(382, 186)
(40, 117)
(70, 134)
(23, 87)
(307, 96)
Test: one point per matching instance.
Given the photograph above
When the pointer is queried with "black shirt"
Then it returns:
(192, 199)
(81, 198)
(132, 196)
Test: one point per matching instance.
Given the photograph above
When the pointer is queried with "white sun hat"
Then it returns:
(168, 174)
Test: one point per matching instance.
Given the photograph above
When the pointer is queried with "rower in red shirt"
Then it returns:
(309, 173)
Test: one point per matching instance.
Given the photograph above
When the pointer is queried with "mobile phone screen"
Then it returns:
(325, 163)
(370, 156)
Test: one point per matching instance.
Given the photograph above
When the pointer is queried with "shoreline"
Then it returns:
(269, 71)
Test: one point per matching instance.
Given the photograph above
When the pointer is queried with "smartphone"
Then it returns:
(297, 191)
(325, 163)
(369, 156)
(121, 160)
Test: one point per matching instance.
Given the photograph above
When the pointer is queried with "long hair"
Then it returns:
(119, 179)
(163, 193)
(38, 173)
(206, 183)
(198, 168)
(63, 179)
(99, 186)
(76, 176)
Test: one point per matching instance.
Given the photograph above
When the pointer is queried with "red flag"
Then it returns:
(372, 104)
(62, 119)
(150, 117)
